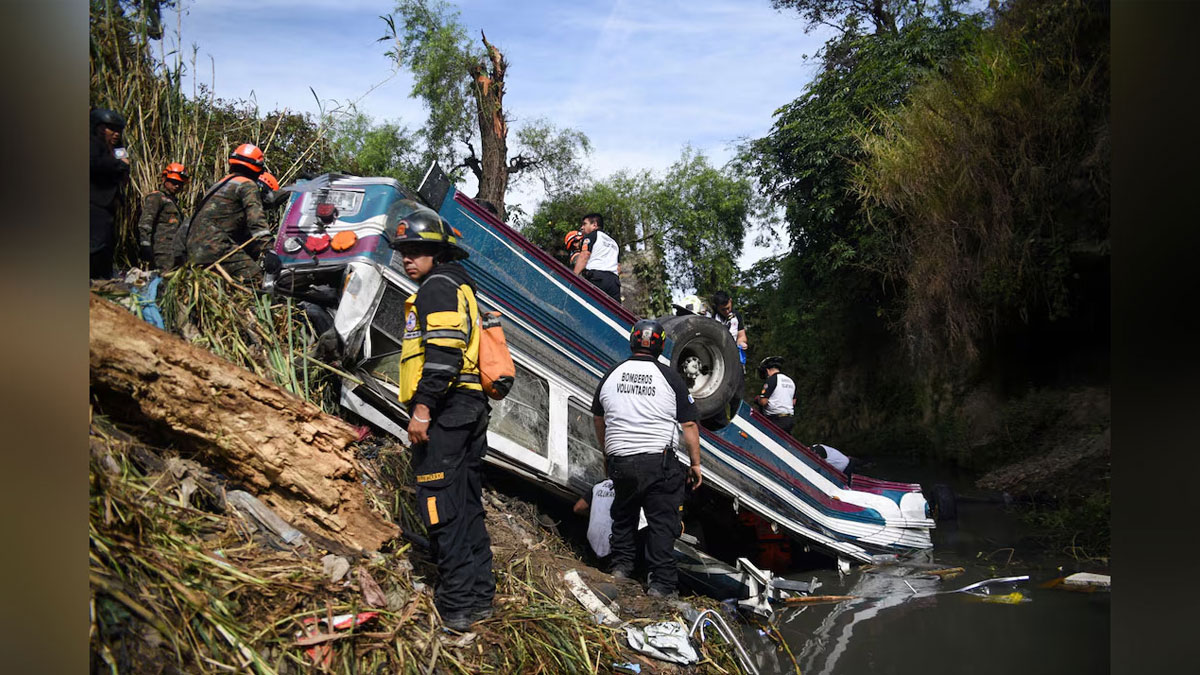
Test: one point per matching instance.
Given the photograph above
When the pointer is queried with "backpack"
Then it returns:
(496, 370)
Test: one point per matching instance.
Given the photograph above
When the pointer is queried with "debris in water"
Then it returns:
(1014, 598)
(817, 599)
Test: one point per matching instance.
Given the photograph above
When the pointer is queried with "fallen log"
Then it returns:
(287, 451)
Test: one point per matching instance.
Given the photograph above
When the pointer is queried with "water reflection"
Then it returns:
(904, 620)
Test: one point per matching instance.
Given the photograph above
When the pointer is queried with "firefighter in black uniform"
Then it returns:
(641, 409)
(778, 397)
(448, 415)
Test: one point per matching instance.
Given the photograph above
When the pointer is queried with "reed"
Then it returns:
(174, 585)
(135, 70)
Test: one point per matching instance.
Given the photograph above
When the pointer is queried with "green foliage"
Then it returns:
(691, 222)
(433, 44)
(623, 198)
(364, 148)
(555, 155)
(164, 125)
(852, 16)
(701, 214)
(995, 177)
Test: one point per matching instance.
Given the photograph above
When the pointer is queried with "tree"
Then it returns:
(996, 174)
(831, 310)
(364, 148)
(686, 229)
(848, 16)
(701, 215)
(463, 88)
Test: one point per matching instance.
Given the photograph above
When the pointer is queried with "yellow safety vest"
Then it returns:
(458, 329)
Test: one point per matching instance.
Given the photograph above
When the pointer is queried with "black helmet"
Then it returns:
(425, 226)
(769, 362)
(647, 336)
(105, 116)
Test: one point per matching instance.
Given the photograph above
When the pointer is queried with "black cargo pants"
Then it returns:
(653, 482)
(608, 282)
(785, 422)
(449, 499)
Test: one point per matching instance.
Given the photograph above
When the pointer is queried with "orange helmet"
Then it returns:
(267, 179)
(176, 172)
(249, 156)
(572, 237)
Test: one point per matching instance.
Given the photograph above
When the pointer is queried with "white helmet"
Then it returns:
(692, 303)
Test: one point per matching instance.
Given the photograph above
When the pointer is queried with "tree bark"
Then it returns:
(493, 128)
(288, 451)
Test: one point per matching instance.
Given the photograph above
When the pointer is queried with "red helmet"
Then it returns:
(572, 237)
(249, 156)
(267, 179)
(176, 172)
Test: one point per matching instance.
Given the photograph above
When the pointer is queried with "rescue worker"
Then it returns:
(597, 261)
(835, 457)
(722, 310)
(230, 225)
(160, 219)
(778, 397)
(270, 193)
(574, 243)
(108, 170)
(641, 408)
(597, 503)
(448, 415)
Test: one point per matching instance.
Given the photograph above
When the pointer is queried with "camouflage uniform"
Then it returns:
(233, 214)
(157, 226)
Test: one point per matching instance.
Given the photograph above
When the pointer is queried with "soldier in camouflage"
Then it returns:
(229, 225)
(160, 219)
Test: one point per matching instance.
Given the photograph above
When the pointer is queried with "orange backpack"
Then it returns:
(496, 370)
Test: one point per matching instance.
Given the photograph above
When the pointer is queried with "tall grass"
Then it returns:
(991, 176)
(135, 74)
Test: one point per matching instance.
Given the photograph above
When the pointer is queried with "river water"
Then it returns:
(903, 621)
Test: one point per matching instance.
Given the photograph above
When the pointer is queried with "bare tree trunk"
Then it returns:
(493, 128)
(286, 450)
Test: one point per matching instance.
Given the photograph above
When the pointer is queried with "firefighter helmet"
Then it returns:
(249, 156)
(176, 172)
(267, 179)
(425, 226)
(647, 337)
(769, 362)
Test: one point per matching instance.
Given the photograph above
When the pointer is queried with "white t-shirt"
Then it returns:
(600, 517)
(643, 403)
(603, 250)
(836, 459)
(780, 391)
(732, 323)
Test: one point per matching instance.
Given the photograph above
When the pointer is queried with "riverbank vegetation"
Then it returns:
(940, 190)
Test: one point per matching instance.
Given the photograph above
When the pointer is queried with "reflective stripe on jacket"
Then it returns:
(451, 331)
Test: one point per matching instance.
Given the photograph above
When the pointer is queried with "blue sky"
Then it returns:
(641, 79)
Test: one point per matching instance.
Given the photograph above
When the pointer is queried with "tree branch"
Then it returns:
(471, 162)
(521, 163)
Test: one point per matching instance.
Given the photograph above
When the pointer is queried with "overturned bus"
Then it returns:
(333, 250)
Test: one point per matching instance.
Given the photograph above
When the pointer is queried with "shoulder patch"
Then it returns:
(410, 325)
